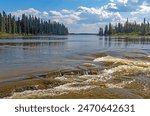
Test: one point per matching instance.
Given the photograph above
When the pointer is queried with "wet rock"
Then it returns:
(21, 89)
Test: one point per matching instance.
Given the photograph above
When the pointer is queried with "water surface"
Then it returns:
(117, 67)
(24, 55)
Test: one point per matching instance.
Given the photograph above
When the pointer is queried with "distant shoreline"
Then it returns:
(83, 34)
(7, 35)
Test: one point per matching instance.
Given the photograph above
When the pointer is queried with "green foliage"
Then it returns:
(28, 25)
(7, 35)
(128, 29)
(127, 34)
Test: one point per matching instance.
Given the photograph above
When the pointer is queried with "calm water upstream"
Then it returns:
(96, 67)
(24, 55)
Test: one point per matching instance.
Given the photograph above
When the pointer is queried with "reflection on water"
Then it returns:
(24, 55)
(126, 42)
(99, 67)
(33, 44)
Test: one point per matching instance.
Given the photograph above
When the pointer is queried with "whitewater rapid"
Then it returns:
(121, 73)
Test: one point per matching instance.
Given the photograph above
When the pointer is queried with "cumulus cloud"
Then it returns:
(83, 16)
(125, 5)
(99, 13)
(120, 1)
(67, 11)
(89, 19)
(111, 6)
(65, 16)
(45, 14)
(55, 13)
(31, 11)
(142, 12)
(123, 1)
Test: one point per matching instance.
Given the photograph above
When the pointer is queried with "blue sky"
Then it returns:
(11, 5)
(81, 15)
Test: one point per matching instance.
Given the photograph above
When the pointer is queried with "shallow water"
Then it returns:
(33, 54)
(117, 67)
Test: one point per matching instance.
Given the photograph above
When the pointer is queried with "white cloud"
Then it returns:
(45, 14)
(120, 1)
(135, 1)
(123, 1)
(55, 13)
(101, 12)
(90, 27)
(89, 19)
(87, 28)
(65, 16)
(66, 11)
(143, 9)
(31, 11)
(111, 5)
(124, 5)
(83, 16)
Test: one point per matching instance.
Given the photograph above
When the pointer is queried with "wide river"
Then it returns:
(114, 57)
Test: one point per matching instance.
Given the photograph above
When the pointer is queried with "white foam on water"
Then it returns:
(127, 70)
(70, 87)
(123, 61)
(100, 78)
(121, 70)
(119, 85)
(36, 94)
(127, 67)
(57, 91)
(88, 65)
(87, 76)
(61, 78)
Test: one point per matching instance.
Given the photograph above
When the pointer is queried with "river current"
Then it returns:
(90, 65)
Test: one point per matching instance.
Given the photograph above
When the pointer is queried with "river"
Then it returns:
(119, 64)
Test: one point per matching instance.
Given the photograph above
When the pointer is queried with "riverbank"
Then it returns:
(130, 35)
(7, 35)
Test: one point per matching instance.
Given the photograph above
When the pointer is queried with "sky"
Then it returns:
(81, 16)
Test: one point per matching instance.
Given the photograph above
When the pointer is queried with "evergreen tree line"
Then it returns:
(27, 25)
(126, 28)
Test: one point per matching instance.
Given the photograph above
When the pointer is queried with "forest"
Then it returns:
(30, 25)
(127, 28)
